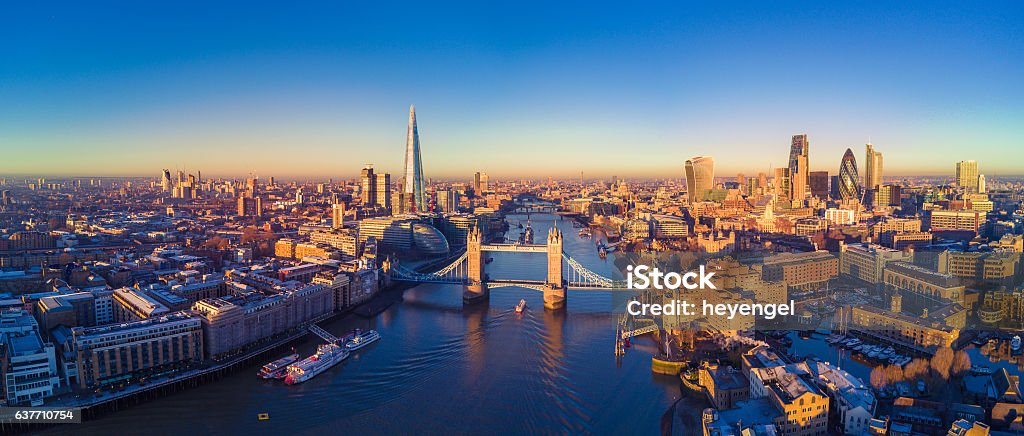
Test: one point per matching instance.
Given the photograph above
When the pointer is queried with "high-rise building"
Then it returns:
(783, 184)
(413, 182)
(967, 175)
(849, 181)
(368, 186)
(982, 188)
(338, 215)
(382, 188)
(872, 168)
(798, 171)
(165, 181)
(448, 200)
(248, 206)
(700, 176)
(817, 182)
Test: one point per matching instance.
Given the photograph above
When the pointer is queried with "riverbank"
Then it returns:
(99, 404)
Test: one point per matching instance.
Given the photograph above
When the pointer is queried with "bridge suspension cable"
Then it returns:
(454, 272)
(582, 277)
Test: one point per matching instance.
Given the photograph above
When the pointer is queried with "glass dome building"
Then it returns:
(428, 240)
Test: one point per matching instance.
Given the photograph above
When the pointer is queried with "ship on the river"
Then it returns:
(326, 356)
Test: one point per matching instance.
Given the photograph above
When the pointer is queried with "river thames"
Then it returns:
(445, 368)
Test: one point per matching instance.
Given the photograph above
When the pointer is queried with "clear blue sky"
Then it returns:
(532, 89)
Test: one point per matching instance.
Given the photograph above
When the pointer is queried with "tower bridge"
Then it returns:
(563, 272)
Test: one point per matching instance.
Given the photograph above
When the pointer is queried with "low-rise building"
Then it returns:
(866, 262)
(122, 352)
(232, 322)
(801, 271)
(915, 279)
(28, 365)
(853, 403)
(132, 304)
(724, 386)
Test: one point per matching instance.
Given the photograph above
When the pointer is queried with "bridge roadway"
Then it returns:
(518, 248)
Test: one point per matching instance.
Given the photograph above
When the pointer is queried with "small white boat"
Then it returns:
(362, 339)
(981, 370)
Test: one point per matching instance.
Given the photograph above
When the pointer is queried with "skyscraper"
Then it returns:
(798, 171)
(783, 184)
(382, 190)
(967, 175)
(700, 177)
(818, 184)
(413, 182)
(872, 168)
(338, 215)
(981, 184)
(165, 180)
(369, 186)
(848, 179)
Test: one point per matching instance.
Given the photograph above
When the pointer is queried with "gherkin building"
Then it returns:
(849, 187)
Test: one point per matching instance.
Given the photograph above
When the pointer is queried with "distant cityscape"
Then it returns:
(115, 288)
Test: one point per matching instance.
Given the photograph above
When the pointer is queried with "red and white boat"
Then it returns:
(327, 355)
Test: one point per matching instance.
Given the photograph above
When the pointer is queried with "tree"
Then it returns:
(893, 374)
(942, 362)
(961, 363)
(917, 368)
(877, 377)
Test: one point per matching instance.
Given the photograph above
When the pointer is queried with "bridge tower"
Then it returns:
(476, 286)
(554, 287)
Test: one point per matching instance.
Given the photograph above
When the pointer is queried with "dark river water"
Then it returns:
(445, 368)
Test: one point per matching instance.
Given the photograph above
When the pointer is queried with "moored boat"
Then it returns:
(326, 356)
(277, 368)
(361, 339)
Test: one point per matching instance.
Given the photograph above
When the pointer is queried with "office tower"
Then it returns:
(700, 176)
(476, 183)
(369, 186)
(485, 183)
(448, 200)
(251, 187)
(413, 182)
(967, 175)
(615, 181)
(872, 168)
(271, 181)
(762, 182)
(165, 181)
(981, 184)
(817, 182)
(382, 190)
(848, 179)
(741, 180)
(798, 172)
(783, 184)
(887, 195)
(338, 215)
(248, 206)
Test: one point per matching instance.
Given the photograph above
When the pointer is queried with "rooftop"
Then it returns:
(756, 412)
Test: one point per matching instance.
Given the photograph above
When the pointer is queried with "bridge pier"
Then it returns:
(475, 293)
(554, 297)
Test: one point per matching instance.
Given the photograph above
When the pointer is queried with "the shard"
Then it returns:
(413, 183)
